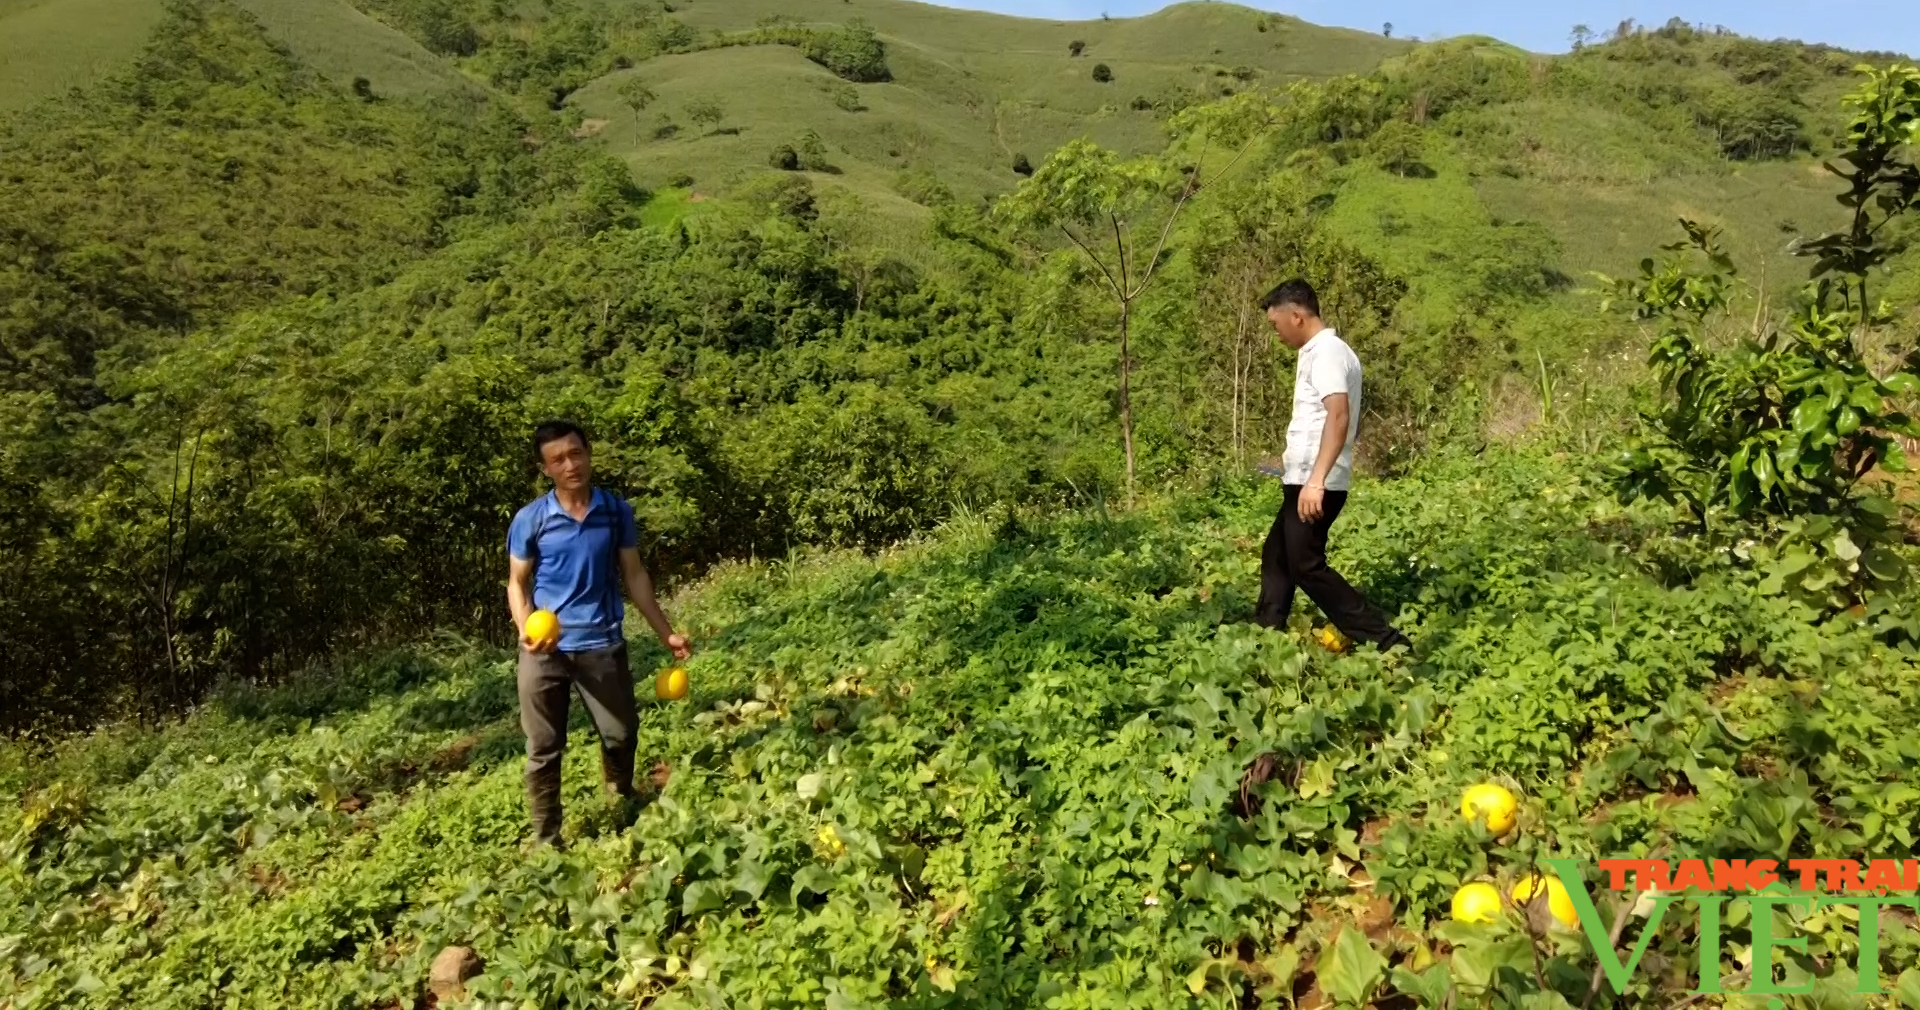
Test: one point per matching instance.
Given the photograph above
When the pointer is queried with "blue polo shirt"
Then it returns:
(576, 571)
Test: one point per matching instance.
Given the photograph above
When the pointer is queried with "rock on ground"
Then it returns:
(451, 969)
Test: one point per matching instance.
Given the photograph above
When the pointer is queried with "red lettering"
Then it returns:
(1617, 870)
(1692, 873)
(1891, 875)
(1843, 875)
(1761, 874)
(1729, 874)
(1648, 874)
(1809, 871)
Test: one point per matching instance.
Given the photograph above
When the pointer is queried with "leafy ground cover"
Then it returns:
(1007, 765)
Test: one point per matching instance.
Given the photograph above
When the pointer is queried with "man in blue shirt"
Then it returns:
(572, 552)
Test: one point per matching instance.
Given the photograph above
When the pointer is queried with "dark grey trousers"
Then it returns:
(547, 683)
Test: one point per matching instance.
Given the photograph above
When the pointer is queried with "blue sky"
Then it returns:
(1543, 26)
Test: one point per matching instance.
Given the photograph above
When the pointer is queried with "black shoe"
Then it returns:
(1396, 638)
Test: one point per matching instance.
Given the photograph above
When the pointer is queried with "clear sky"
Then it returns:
(1543, 25)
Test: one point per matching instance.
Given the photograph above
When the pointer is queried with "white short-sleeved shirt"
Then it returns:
(1326, 366)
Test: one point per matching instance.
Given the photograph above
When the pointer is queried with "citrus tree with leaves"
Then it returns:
(1779, 427)
(1120, 213)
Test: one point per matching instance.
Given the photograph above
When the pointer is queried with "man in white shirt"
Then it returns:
(1317, 471)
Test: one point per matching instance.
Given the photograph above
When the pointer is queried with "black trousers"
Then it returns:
(1295, 556)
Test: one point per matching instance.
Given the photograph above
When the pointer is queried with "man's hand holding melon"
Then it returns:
(541, 632)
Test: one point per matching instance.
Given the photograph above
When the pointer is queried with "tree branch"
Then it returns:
(1193, 185)
(1118, 291)
(1613, 943)
(1533, 938)
(1166, 231)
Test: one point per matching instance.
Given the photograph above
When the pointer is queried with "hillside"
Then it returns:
(1003, 765)
(288, 268)
(963, 526)
(970, 91)
(1593, 147)
(50, 46)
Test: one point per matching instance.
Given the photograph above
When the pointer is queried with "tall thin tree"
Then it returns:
(1097, 200)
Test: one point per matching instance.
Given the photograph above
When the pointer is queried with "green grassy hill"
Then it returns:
(1600, 171)
(969, 92)
(1604, 227)
(50, 46)
(969, 89)
(342, 43)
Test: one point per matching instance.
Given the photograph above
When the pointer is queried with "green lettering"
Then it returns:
(1618, 975)
(1709, 944)
(1764, 941)
(1869, 906)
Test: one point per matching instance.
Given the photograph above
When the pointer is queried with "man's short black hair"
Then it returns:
(556, 431)
(1294, 292)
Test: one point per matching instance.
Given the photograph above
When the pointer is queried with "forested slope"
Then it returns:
(274, 334)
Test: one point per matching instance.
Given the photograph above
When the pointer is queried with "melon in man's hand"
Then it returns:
(542, 627)
(671, 685)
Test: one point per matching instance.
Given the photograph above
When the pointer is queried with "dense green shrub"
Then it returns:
(1401, 148)
(813, 153)
(1749, 125)
(443, 28)
(861, 469)
(1442, 77)
(923, 187)
(1342, 109)
(852, 51)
